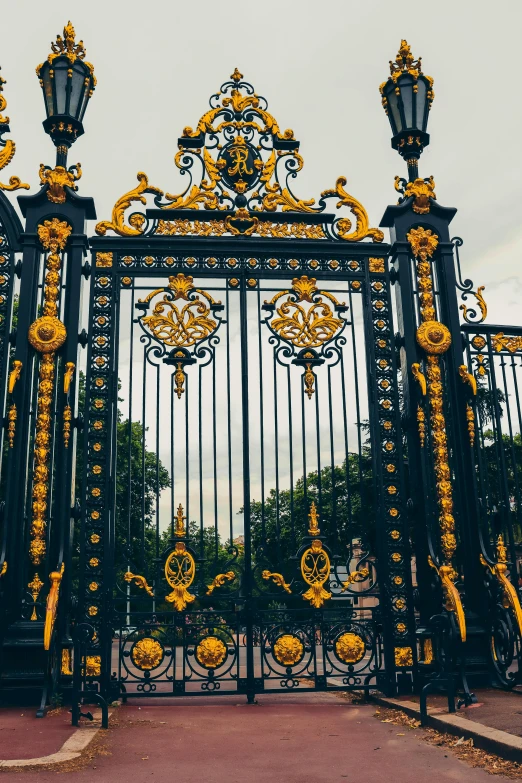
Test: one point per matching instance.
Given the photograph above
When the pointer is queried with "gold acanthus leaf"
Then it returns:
(117, 222)
(362, 228)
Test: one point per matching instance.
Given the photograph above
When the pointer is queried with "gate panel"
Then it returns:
(218, 553)
(495, 426)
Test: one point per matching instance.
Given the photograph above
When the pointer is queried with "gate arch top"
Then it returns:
(240, 165)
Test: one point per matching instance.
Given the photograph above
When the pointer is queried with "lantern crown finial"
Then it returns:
(405, 62)
(67, 45)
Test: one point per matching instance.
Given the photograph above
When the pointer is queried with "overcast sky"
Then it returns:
(319, 65)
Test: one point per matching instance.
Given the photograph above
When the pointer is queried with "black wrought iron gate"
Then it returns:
(243, 478)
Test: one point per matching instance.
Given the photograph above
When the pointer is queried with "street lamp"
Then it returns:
(407, 97)
(67, 82)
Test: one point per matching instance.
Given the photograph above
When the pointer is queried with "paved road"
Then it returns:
(310, 738)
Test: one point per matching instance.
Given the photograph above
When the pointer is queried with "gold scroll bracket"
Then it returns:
(278, 579)
(354, 577)
(14, 375)
(139, 581)
(499, 571)
(451, 594)
(220, 580)
(419, 377)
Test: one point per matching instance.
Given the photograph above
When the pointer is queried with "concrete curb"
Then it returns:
(507, 746)
(71, 748)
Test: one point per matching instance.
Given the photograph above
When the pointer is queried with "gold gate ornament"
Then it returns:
(180, 570)
(288, 649)
(315, 570)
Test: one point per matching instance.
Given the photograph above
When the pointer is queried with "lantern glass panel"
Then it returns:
(85, 99)
(421, 103)
(393, 103)
(406, 88)
(77, 82)
(45, 75)
(60, 82)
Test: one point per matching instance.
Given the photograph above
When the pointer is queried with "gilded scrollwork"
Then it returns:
(58, 179)
(468, 314)
(500, 571)
(308, 319)
(7, 146)
(186, 327)
(278, 579)
(246, 174)
(502, 342)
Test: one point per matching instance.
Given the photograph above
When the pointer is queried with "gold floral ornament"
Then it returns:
(288, 649)
(315, 570)
(147, 653)
(180, 328)
(58, 179)
(247, 173)
(502, 342)
(308, 319)
(278, 579)
(211, 652)
(92, 665)
(7, 146)
(220, 580)
(350, 648)
(139, 581)
(180, 570)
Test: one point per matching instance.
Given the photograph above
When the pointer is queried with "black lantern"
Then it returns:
(67, 81)
(407, 97)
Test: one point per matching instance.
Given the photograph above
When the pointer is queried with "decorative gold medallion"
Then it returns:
(211, 652)
(288, 649)
(180, 570)
(47, 334)
(433, 337)
(350, 648)
(147, 653)
(315, 570)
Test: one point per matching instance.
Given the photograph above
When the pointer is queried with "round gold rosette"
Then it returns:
(288, 650)
(211, 652)
(349, 648)
(47, 334)
(433, 337)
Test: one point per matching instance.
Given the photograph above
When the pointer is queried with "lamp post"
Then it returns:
(406, 98)
(67, 82)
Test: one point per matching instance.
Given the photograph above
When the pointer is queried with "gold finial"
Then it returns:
(67, 45)
(501, 550)
(180, 522)
(313, 519)
(405, 62)
(236, 76)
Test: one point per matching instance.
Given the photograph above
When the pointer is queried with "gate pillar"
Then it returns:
(436, 397)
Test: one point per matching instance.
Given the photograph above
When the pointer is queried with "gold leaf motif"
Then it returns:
(362, 228)
(423, 242)
(422, 191)
(220, 580)
(482, 306)
(500, 342)
(117, 222)
(288, 650)
(278, 579)
(139, 581)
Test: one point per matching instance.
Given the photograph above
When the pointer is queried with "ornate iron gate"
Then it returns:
(243, 498)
